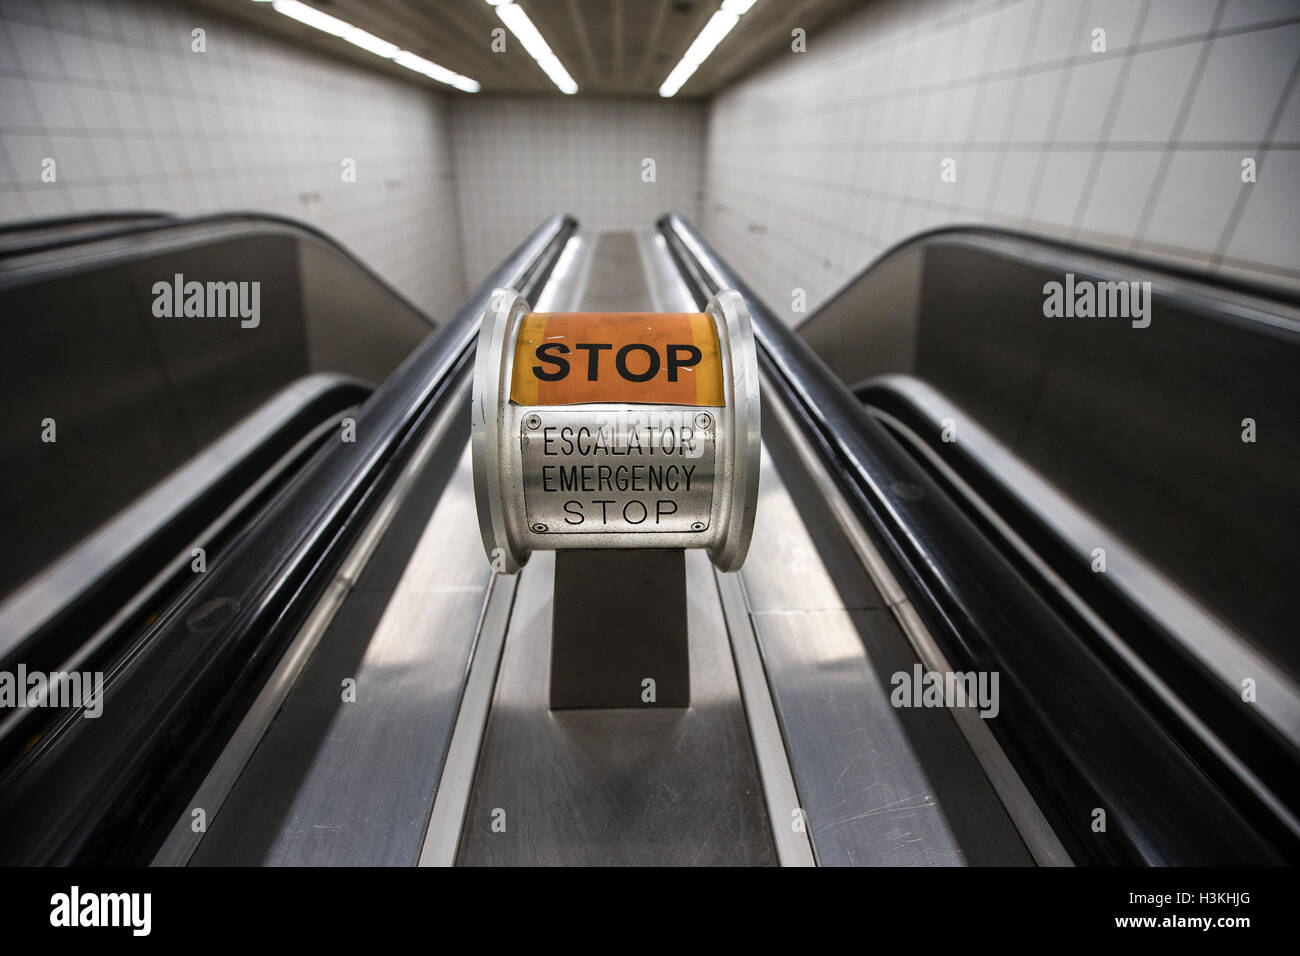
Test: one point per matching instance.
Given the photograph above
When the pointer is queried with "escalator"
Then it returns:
(1115, 464)
(349, 683)
(139, 443)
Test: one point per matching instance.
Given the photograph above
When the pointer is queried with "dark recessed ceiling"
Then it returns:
(623, 47)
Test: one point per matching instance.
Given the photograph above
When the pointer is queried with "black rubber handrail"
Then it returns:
(84, 623)
(264, 222)
(1068, 250)
(1249, 737)
(108, 790)
(52, 641)
(1080, 739)
(135, 216)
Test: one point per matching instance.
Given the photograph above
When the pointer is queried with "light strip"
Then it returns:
(719, 25)
(312, 17)
(435, 72)
(373, 44)
(513, 16)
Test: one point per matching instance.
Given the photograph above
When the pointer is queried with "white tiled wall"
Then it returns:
(822, 160)
(813, 167)
(520, 159)
(111, 90)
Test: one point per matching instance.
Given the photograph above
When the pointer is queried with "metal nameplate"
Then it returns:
(635, 471)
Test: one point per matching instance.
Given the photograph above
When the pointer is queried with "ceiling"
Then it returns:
(618, 47)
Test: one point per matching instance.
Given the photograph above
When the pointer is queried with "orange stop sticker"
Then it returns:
(656, 358)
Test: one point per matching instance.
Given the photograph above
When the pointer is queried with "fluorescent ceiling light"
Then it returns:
(513, 16)
(420, 65)
(553, 68)
(435, 72)
(372, 44)
(312, 17)
(719, 26)
(738, 7)
(368, 41)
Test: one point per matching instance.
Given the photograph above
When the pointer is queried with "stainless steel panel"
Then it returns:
(638, 471)
(341, 783)
(223, 775)
(784, 808)
(442, 837)
(616, 787)
(615, 282)
(792, 567)
(879, 785)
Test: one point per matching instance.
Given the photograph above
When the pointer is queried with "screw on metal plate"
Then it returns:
(533, 421)
(697, 526)
(539, 528)
(703, 421)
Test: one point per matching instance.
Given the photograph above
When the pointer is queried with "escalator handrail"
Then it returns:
(133, 216)
(1192, 289)
(108, 790)
(173, 228)
(1252, 749)
(1064, 714)
(44, 620)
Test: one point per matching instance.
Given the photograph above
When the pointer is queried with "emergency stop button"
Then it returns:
(616, 430)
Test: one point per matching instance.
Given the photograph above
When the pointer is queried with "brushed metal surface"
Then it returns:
(879, 785)
(1027, 817)
(352, 783)
(211, 795)
(784, 808)
(790, 571)
(616, 787)
(616, 281)
(637, 471)
(442, 836)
